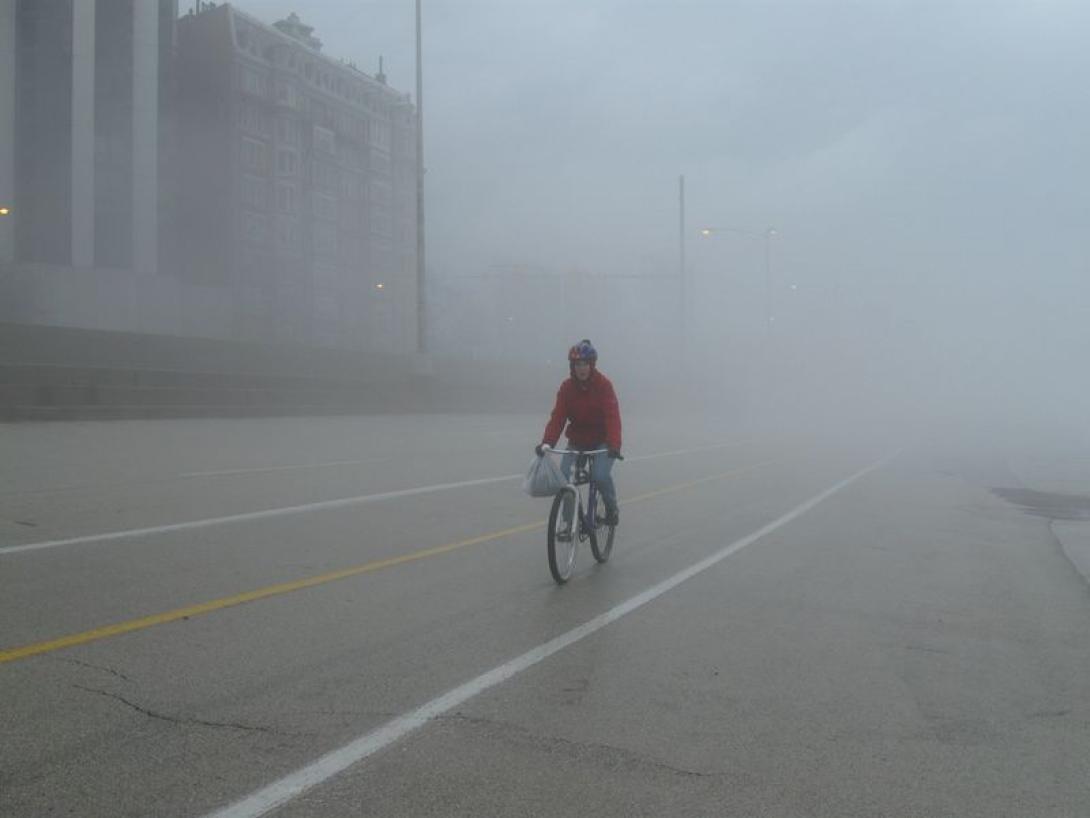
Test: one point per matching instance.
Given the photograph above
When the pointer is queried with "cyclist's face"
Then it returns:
(582, 370)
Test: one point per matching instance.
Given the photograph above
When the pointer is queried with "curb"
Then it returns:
(1074, 539)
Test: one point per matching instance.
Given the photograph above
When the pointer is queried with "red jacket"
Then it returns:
(592, 408)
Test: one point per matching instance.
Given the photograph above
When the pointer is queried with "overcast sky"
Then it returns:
(927, 162)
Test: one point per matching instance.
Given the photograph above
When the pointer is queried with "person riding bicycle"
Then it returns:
(587, 403)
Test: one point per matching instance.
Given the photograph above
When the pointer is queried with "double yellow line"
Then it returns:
(82, 638)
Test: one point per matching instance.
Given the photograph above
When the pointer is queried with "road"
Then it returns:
(354, 616)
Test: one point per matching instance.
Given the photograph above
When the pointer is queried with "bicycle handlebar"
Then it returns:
(574, 451)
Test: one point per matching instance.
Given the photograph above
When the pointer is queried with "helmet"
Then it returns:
(583, 351)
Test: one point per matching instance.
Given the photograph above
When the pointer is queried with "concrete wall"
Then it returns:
(7, 128)
(83, 133)
(145, 159)
(113, 300)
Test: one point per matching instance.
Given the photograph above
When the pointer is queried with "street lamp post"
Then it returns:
(681, 266)
(769, 316)
(421, 269)
(766, 235)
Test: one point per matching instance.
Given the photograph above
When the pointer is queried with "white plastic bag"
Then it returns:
(544, 479)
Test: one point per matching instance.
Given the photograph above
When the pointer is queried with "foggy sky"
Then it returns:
(925, 163)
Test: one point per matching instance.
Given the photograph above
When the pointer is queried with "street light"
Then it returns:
(766, 235)
(5, 211)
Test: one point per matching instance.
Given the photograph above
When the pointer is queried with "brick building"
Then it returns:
(298, 185)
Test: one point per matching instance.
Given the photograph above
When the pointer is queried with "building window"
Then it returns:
(352, 186)
(287, 162)
(251, 118)
(380, 194)
(357, 129)
(326, 276)
(254, 155)
(325, 239)
(255, 191)
(286, 198)
(379, 134)
(287, 234)
(324, 141)
(287, 131)
(383, 256)
(353, 157)
(325, 207)
(255, 227)
(326, 175)
(253, 81)
(287, 94)
(380, 163)
(382, 224)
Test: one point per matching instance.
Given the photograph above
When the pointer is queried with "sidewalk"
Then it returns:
(1064, 483)
(1075, 539)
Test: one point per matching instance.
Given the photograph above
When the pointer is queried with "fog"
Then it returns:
(835, 260)
(923, 164)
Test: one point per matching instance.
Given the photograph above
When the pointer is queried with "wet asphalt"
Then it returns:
(910, 644)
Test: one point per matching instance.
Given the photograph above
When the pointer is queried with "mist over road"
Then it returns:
(908, 643)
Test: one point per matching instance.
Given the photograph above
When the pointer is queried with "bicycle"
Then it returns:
(585, 523)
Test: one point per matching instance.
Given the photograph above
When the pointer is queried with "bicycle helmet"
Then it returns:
(583, 351)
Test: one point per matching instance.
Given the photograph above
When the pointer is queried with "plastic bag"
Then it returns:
(544, 479)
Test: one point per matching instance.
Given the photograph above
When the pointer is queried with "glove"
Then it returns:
(615, 454)
(539, 449)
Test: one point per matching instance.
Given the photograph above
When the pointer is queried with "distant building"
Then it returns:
(298, 185)
(82, 84)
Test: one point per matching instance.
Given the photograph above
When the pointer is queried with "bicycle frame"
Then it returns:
(565, 530)
(581, 472)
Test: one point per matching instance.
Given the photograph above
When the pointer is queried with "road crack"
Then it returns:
(103, 668)
(606, 754)
(177, 719)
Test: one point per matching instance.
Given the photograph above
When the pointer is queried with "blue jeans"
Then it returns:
(600, 474)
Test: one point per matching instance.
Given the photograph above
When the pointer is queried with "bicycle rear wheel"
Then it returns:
(561, 553)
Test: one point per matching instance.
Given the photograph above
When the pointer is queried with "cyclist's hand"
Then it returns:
(615, 454)
(539, 449)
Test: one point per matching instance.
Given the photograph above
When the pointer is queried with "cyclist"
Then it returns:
(587, 402)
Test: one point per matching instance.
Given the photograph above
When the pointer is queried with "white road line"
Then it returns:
(252, 515)
(262, 470)
(708, 448)
(291, 786)
(292, 466)
(284, 510)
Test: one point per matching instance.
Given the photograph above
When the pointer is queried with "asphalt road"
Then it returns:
(354, 616)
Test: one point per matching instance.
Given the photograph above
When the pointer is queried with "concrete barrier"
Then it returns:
(64, 373)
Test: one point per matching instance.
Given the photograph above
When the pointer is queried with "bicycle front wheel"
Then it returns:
(562, 537)
(602, 550)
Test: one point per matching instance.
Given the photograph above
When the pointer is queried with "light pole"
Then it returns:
(421, 305)
(681, 266)
(766, 235)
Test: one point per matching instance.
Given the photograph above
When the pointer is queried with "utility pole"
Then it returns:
(421, 330)
(769, 317)
(681, 263)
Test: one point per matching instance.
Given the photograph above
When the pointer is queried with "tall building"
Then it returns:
(298, 183)
(81, 86)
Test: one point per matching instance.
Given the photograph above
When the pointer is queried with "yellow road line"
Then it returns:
(250, 596)
(682, 486)
(36, 649)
